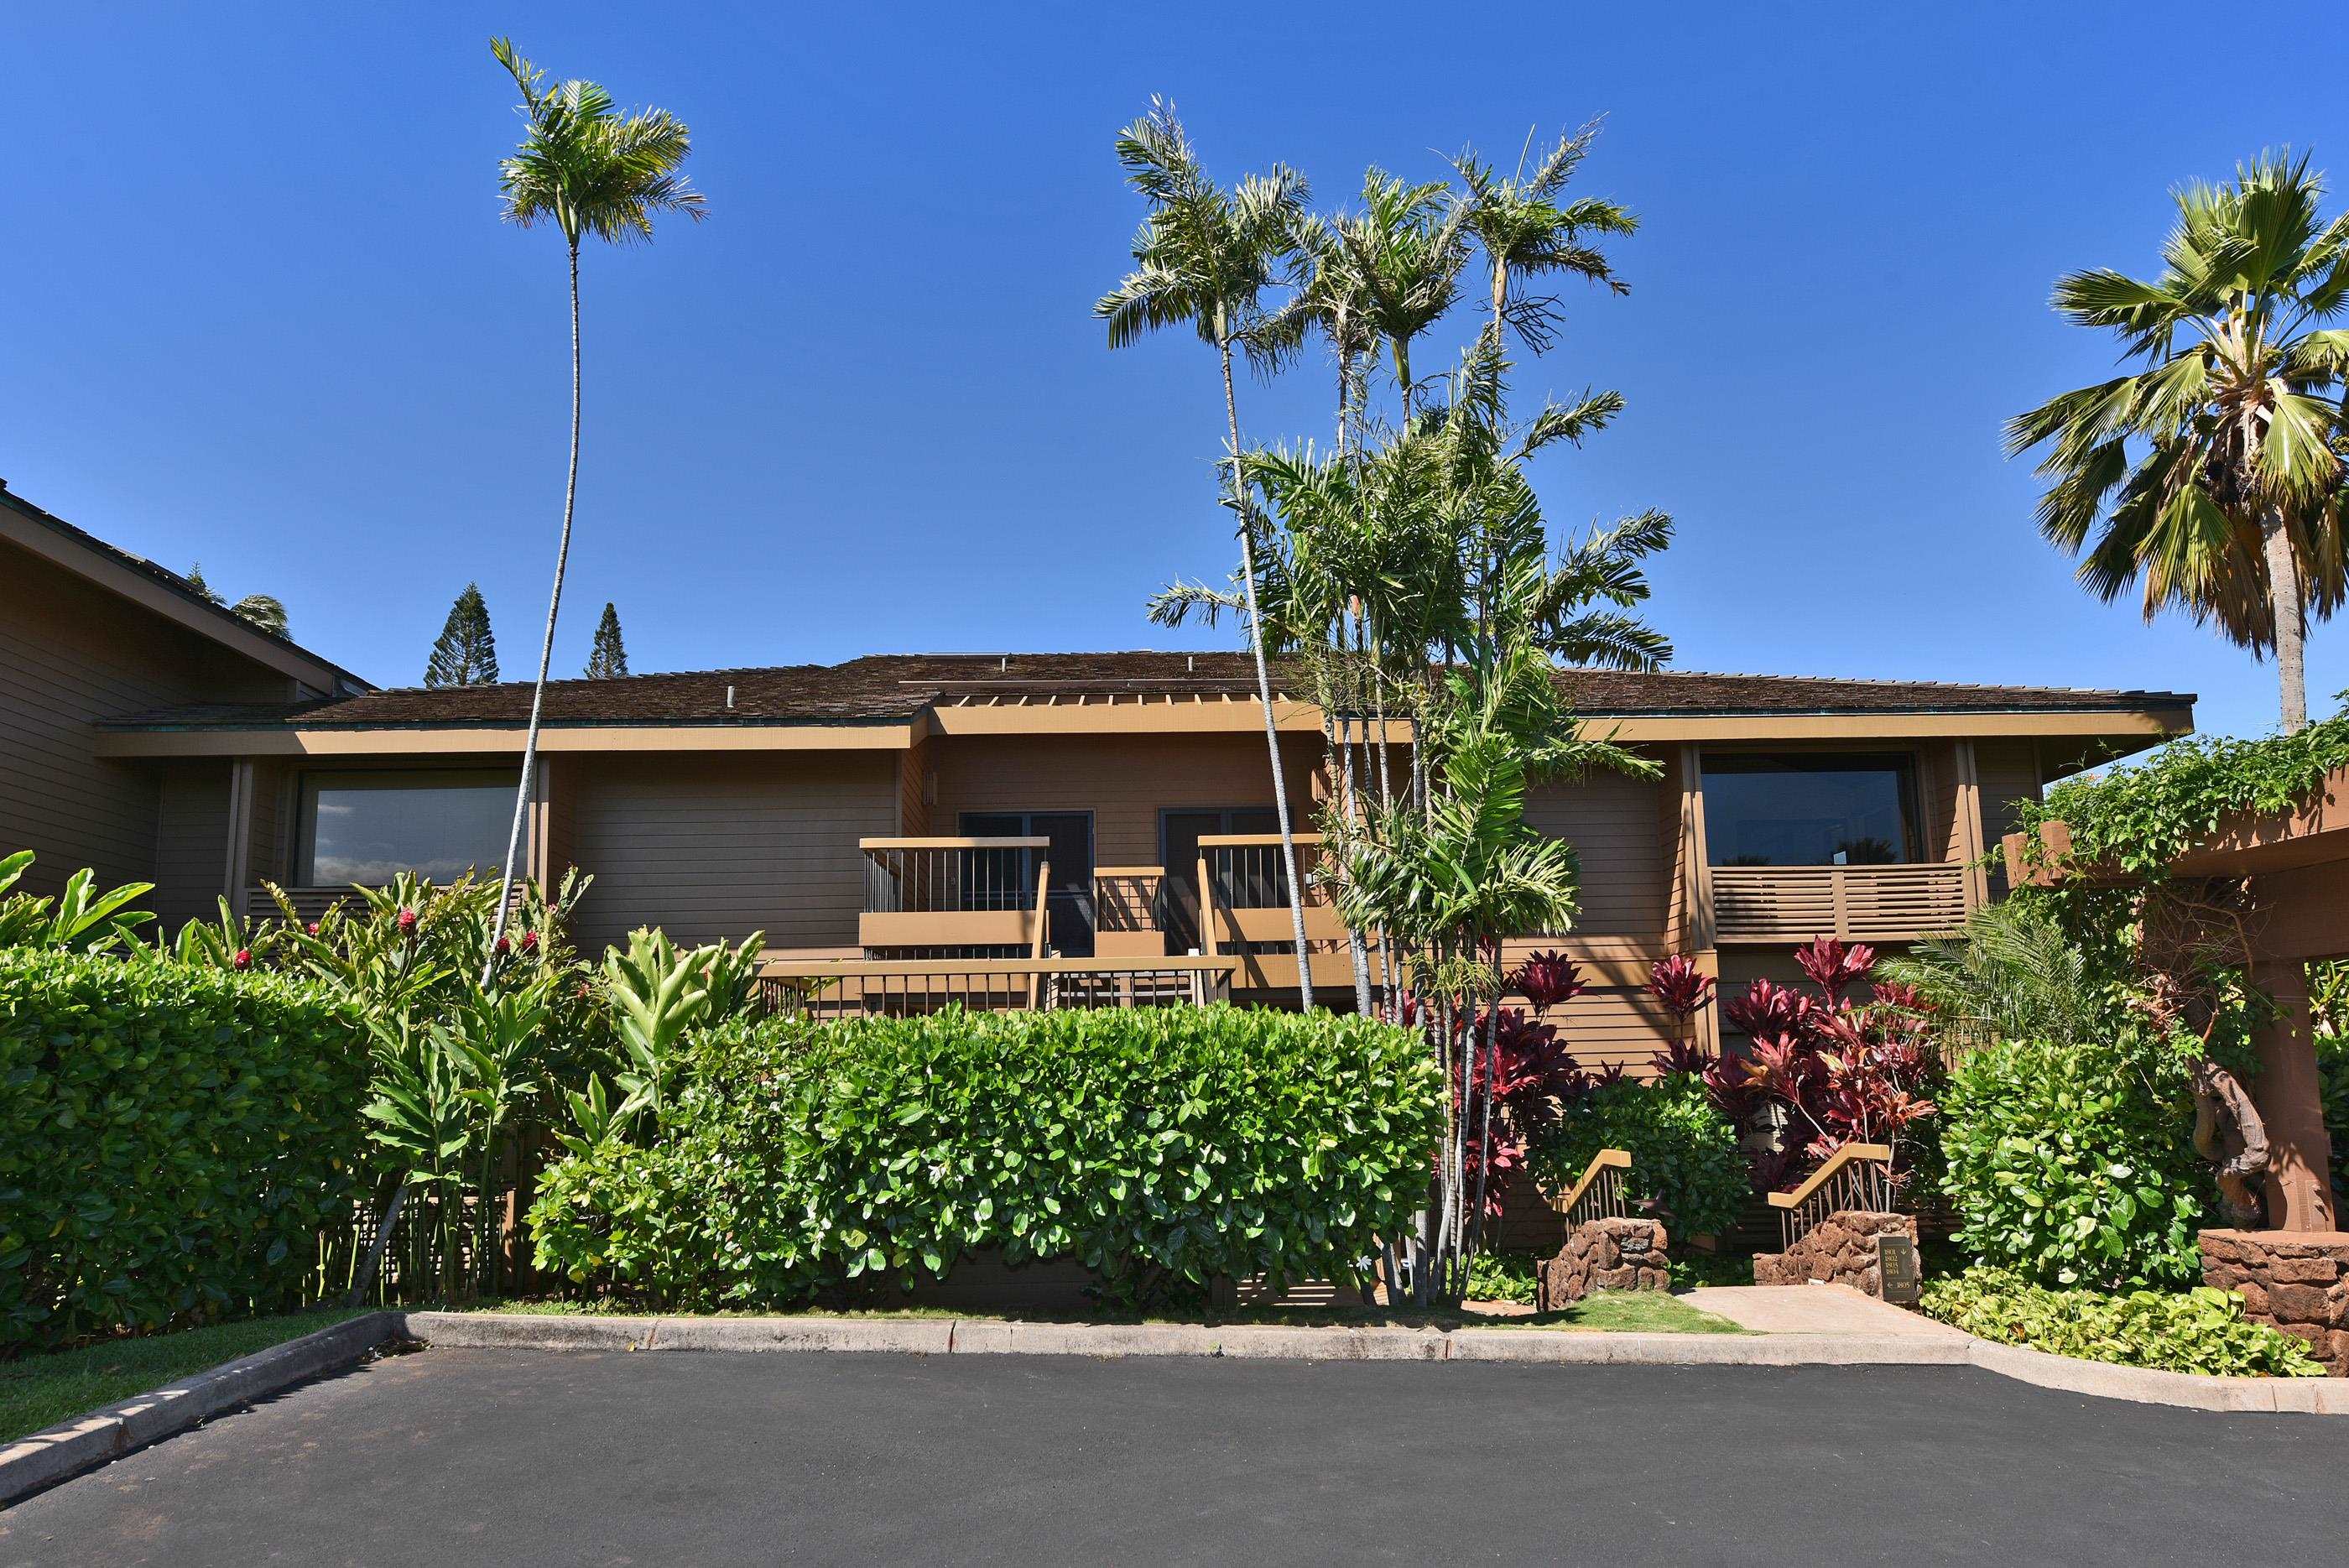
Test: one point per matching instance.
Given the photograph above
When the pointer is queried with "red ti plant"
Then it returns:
(1681, 990)
(1836, 1069)
(1531, 1077)
(1546, 980)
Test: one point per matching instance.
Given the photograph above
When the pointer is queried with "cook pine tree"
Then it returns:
(608, 659)
(466, 653)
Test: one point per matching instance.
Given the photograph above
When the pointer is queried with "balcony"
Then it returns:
(969, 896)
(1853, 903)
(1244, 895)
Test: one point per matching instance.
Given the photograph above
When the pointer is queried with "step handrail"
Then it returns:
(1856, 1175)
(1849, 1154)
(1605, 1160)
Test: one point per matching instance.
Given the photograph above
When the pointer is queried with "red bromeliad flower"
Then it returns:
(1546, 980)
(1679, 986)
(312, 927)
(407, 922)
(243, 959)
(503, 947)
(530, 941)
(1835, 967)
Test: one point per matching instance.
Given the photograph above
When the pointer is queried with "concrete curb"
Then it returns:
(969, 1336)
(44, 1458)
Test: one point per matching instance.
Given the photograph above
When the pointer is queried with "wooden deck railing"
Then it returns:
(1599, 1194)
(1244, 912)
(1858, 1176)
(1129, 911)
(1856, 903)
(862, 988)
(961, 894)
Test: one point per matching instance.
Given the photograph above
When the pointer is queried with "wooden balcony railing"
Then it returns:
(955, 894)
(1244, 914)
(1856, 903)
(1129, 911)
(865, 988)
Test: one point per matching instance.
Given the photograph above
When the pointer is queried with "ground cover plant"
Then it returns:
(2197, 1330)
(40, 1391)
(1161, 1147)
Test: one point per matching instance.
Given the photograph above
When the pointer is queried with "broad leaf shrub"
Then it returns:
(1161, 1148)
(2075, 1165)
(1684, 1152)
(2197, 1330)
(171, 1141)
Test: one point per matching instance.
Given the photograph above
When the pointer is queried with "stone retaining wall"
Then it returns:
(1839, 1250)
(1606, 1255)
(2297, 1281)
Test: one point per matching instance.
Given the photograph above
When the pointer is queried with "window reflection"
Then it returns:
(366, 828)
(1817, 810)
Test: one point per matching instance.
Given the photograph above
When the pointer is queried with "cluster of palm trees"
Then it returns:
(1406, 569)
(2214, 473)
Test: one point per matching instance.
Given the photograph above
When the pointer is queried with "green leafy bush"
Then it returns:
(2333, 1080)
(2075, 1165)
(1505, 1277)
(2197, 1330)
(172, 1139)
(1160, 1146)
(1684, 1152)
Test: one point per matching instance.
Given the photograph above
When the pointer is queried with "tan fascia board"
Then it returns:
(498, 740)
(2141, 727)
(205, 621)
(2130, 730)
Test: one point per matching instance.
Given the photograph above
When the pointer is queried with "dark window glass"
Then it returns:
(366, 828)
(1810, 810)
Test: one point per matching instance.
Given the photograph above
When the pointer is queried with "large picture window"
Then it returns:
(1798, 809)
(368, 827)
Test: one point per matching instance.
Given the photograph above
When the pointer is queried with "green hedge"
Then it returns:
(171, 1138)
(1161, 1147)
(1684, 1152)
(2075, 1165)
(2197, 1330)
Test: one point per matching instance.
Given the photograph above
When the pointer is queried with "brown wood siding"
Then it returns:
(1620, 828)
(71, 654)
(914, 790)
(1124, 780)
(190, 841)
(1937, 802)
(713, 846)
(2009, 772)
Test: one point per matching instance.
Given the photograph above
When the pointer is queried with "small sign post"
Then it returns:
(1896, 1260)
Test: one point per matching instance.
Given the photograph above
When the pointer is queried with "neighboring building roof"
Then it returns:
(165, 592)
(901, 687)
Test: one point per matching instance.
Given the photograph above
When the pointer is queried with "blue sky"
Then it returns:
(256, 309)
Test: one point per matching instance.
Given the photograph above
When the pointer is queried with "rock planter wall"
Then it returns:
(2297, 1281)
(1839, 1250)
(1606, 1256)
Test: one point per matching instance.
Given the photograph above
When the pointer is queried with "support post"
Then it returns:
(238, 872)
(2289, 1097)
(1697, 916)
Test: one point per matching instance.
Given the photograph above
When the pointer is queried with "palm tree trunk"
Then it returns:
(547, 644)
(1263, 680)
(2291, 628)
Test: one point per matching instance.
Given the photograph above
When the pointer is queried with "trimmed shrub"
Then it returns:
(1162, 1148)
(2197, 1330)
(171, 1141)
(1684, 1152)
(2075, 1165)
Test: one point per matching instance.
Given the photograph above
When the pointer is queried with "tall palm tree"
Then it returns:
(1525, 231)
(594, 172)
(1407, 254)
(1203, 259)
(2214, 470)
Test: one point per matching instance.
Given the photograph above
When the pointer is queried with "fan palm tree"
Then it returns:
(592, 172)
(2213, 470)
(1203, 259)
(1525, 231)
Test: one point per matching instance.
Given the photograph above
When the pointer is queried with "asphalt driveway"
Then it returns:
(511, 1457)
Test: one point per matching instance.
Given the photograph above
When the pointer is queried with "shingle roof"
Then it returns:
(897, 687)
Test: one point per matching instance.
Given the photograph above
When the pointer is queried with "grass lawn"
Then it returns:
(1609, 1312)
(42, 1390)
